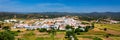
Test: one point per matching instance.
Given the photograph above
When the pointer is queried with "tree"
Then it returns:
(68, 27)
(105, 29)
(92, 25)
(0, 26)
(70, 33)
(6, 28)
(87, 28)
(52, 32)
(18, 31)
(6, 36)
(42, 30)
(79, 26)
(78, 30)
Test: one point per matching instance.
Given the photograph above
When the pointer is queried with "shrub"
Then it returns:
(68, 27)
(42, 30)
(105, 29)
(87, 28)
(6, 36)
(78, 30)
(18, 31)
(6, 28)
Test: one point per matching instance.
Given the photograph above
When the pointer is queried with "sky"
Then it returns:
(59, 5)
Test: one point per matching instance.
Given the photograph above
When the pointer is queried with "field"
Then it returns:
(36, 35)
(113, 29)
(96, 32)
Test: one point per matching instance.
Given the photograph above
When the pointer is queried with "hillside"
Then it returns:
(93, 15)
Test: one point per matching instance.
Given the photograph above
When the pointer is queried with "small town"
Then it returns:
(59, 19)
(57, 23)
(54, 25)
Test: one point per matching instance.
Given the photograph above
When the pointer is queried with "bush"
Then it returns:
(6, 36)
(105, 29)
(68, 27)
(18, 31)
(14, 33)
(78, 30)
(78, 33)
(87, 28)
(6, 28)
(42, 30)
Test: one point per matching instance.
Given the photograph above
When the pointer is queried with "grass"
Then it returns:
(90, 37)
(22, 29)
(36, 35)
(85, 36)
(43, 38)
(46, 38)
(29, 36)
(92, 32)
(59, 35)
(61, 32)
(115, 27)
(115, 38)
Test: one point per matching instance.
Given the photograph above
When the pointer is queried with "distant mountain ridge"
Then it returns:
(8, 15)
